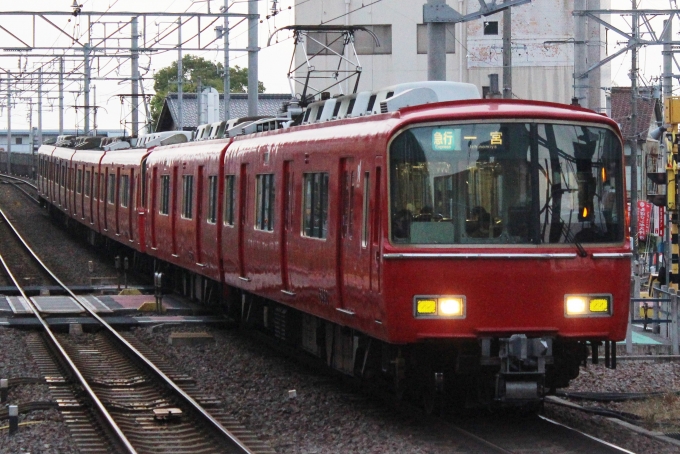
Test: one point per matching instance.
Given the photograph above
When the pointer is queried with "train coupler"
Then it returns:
(522, 368)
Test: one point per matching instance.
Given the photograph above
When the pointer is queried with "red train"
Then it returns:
(468, 245)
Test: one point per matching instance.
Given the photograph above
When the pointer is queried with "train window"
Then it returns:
(102, 187)
(229, 199)
(506, 183)
(112, 188)
(87, 182)
(187, 196)
(63, 175)
(315, 205)
(79, 181)
(165, 194)
(212, 199)
(124, 191)
(95, 189)
(367, 194)
(264, 204)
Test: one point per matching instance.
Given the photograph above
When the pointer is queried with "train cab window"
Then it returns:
(507, 183)
(229, 199)
(79, 181)
(111, 191)
(124, 190)
(264, 204)
(88, 181)
(315, 205)
(165, 195)
(212, 199)
(187, 196)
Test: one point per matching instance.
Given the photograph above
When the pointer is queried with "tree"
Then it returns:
(193, 69)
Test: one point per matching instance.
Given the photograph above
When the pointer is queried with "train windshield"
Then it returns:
(506, 183)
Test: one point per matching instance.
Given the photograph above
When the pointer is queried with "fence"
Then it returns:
(660, 311)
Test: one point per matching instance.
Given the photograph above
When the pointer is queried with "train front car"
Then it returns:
(507, 247)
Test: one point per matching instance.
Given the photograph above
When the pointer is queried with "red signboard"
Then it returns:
(644, 218)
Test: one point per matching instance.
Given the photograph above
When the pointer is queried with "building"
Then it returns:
(268, 104)
(542, 46)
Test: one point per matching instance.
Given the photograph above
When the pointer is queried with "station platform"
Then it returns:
(119, 309)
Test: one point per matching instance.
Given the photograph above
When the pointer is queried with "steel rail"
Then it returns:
(11, 177)
(235, 442)
(104, 414)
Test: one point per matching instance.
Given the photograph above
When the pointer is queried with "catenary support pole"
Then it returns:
(135, 78)
(436, 47)
(252, 59)
(180, 78)
(227, 78)
(9, 123)
(61, 95)
(507, 53)
(86, 89)
(633, 139)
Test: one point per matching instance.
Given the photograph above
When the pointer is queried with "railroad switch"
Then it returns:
(167, 414)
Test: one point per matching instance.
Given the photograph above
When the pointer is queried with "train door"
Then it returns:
(346, 241)
(287, 226)
(105, 200)
(132, 205)
(116, 200)
(93, 194)
(375, 224)
(242, 219)
(200, 204)
(174, 210)
(153, 206)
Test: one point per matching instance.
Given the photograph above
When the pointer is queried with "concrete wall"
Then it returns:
(22, 164)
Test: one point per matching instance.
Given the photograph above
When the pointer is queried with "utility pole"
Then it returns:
(580, 55)
(86, 90)
(40, 108)
(180, 100)
(135, 78)
(252, 58)
(9, 124)
(671, 170)
(633, 140)
(436, 46)
(61, 95)
(227, 76)
(507, 53)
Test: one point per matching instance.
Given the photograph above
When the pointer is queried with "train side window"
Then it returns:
(79, 181)
(229, 199)
(87, 182)
(212, 199)
(124, 190)
(187, 196)
(102, 187)
(63, 175)
(264, 216)
(315, 205)
(95, 190)
(112, 188)
(165, 194)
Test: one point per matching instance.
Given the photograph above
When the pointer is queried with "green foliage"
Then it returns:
(195, 69)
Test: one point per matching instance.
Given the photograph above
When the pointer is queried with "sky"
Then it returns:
(274, 60)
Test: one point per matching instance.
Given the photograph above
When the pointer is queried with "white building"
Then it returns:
(542, 45)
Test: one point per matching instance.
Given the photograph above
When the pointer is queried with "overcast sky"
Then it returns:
(273, 60)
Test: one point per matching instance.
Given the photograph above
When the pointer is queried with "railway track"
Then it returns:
(19, 184)
(114, 399)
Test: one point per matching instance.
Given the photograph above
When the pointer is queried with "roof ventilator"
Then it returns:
(412, 97)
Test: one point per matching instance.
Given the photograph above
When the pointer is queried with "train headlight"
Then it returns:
(587, 305)
(439, 306)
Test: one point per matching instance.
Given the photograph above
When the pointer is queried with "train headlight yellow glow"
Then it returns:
(439, 306)
(449, 307)
(576, 305)
(587, 305)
